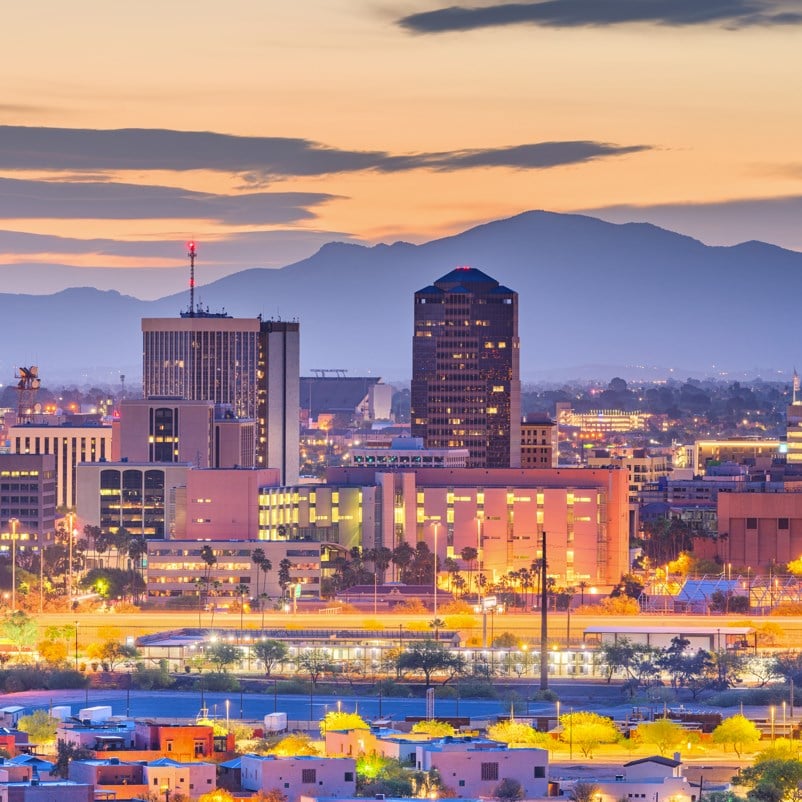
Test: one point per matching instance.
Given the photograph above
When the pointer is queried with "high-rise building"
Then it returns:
(247, 363)
(466, 388)
(278, 398)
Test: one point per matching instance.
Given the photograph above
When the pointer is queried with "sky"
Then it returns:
(262, 129)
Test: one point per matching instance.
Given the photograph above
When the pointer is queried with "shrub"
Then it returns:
(67, 678)
(477, 690)
(219, 681)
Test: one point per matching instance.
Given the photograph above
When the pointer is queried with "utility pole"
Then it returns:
(544, 624)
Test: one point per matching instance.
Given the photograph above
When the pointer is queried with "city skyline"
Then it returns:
(265, 132)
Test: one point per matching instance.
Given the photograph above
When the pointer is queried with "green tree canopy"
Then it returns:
(40, 726)
(587, 731)
(340, 720)
(223, 655)
(517, 733)
(270, 653)
(438, 729)
(738, 732)
(663, 734)
(430, 657)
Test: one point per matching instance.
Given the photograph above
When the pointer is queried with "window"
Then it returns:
(751, 523)
(782, 523)
(308, 776)
(540, 771)
(489, 771)
(349, 776)
(462, 783)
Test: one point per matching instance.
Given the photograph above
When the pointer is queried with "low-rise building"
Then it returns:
(650, 778)
(475, 767)
(294, 776)
(187, 778)
(36, 791)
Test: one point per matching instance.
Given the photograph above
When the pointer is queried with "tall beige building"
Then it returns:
(69, 445)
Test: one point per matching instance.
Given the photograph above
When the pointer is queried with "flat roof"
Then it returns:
(713, 629)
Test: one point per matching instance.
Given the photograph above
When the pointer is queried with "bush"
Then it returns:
(148, 679)
(291, 686)
(477, 690)
(218, 681)
(67, 678)
(545, 696)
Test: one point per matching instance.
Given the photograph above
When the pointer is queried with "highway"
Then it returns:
(525, 626)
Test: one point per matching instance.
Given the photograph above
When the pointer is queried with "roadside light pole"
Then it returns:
(544, 623)
(14, 522)
(71, 519)
(436, 527)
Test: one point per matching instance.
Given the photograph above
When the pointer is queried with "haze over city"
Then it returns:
(266, 130)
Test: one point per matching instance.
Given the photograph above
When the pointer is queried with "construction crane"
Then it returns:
(27, 386)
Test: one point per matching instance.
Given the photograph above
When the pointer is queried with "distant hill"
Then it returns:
(591, 293)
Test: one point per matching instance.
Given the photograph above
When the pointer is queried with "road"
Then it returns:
(524, 625)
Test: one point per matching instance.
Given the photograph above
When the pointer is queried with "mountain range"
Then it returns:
(631, 299)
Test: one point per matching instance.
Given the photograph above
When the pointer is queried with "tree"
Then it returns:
(111, 653)
(431, 657)
(437, 729)
(40, 726)
(293, 745)
(270, 653)
(66, 753)
(340, 720)
(738, 732)
(223, 655)
(516, 733)
(271, 795)
(257, 558)
(663, 734)
(587, 731)
(284, 577)
(772, 780)
(508, 790)
(53, 652)
(313, 662)
(218, 795)
(584, 792)
(20, 629)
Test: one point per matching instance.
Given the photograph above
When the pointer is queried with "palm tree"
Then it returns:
(257, 558)
(469, 554)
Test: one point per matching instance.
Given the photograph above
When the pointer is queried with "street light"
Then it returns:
(14, 522)
(436, 527)
(70, 537)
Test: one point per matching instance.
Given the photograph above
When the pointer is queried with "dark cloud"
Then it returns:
(538, 156)
(587, 13)
(29, 199)
(256, 159)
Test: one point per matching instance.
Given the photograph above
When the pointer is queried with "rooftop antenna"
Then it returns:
(191, 253)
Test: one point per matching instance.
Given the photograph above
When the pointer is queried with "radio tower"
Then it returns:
(191, 254)
(26, 388)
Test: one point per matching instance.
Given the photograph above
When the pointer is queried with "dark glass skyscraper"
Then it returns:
(466, 387)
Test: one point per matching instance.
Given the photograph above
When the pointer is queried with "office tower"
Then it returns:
(278, 398)
(248, 364)
(466, 389)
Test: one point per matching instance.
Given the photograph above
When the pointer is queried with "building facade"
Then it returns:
(27, 495)
(501, 513)
(248, 364)
(539, 442)
(466, 389)
(69, 444)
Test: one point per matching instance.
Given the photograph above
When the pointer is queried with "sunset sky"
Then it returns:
(264, 129)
